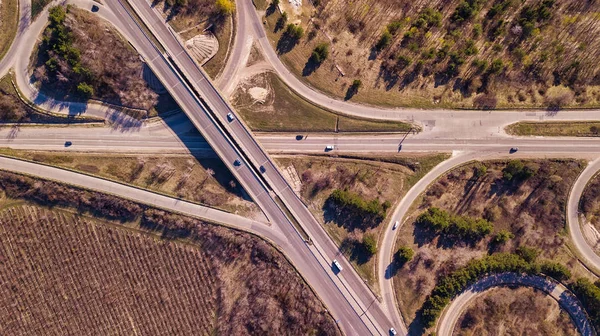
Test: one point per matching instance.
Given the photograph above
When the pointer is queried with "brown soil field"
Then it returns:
(532, 209)
(144, 271)
(514, 311)
(97, 55)
(201, 180)
(192, 17)
(318, 176)
(505, 54)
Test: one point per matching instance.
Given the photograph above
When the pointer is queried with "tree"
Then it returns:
(529, 254)
(594, 130)
(384, 40)
(502, 237)
(403, 255)
(556, 271)
(85, 90)
(294, 31)
(370, 243)
(320, 53)
(225, 7)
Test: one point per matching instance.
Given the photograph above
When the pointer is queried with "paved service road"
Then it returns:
(587, 254)
(557, 291)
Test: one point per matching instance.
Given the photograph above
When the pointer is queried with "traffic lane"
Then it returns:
(364, 297)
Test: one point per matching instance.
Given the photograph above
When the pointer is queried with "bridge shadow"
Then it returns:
(203, 154)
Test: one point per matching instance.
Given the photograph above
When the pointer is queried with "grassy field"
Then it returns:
(317, 177)
(14, 110)
(151, 272)
(447, 54)
(529, 208)
(9, 19)
(518, 311)
(555, 128)
(94, 62)
(284, 111)
(200, 180)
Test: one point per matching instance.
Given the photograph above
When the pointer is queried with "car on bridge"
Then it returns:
(230, 117)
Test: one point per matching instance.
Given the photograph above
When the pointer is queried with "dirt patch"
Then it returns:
(258, 94)
(518, 311)
(200, 180)
(530, 209)
(503, 54)
(371, 180)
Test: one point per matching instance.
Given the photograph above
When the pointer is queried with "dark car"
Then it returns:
(262, 169)
(237, 162)
(68, 143)
(514, 149)
(299, 137)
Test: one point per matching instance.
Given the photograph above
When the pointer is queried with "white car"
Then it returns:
(230, 117)
(393, 331)
(329, 148)
(395, 225)
(337, 265)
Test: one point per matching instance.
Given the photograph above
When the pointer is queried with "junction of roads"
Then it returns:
(468, 135)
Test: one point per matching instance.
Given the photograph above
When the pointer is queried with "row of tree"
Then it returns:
(461, 227)
(453, 284)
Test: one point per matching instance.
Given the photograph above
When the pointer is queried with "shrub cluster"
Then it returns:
(353, 202)
(320, 53)
(461, 227)
(517, 170)
(59, 40)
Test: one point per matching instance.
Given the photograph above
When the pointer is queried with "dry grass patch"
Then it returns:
(201, 180)
(518, 311)
(555, 128)
(530, 207)
(317, 178)
(9, 20)
(268, 105)
(63, 272)
(502, 53)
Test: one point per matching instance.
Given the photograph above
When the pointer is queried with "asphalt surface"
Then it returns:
(586, 253)
(346, 295)
(557, 291)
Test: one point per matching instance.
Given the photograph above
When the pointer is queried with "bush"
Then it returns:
(529, 254)
(225, 7)
(555, 270)
(497, 66)
(453, 226)
(85, 90)
(356, 84)
(370, 244)
(518, 171)
(403, 61)
(294, 31)
(502, 237)
(384, 40)
(320, 53)
(403, 255)
(466, 10)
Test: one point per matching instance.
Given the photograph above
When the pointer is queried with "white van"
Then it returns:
(337, 265)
